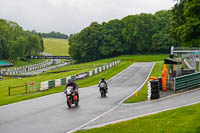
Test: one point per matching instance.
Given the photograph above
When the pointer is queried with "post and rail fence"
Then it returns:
(29, 87)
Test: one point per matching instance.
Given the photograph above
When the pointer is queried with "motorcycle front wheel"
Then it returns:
(69, 102)
(102, 93)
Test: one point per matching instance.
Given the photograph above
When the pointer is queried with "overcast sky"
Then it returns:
(71, 16)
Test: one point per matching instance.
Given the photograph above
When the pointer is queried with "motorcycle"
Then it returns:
(102, 89)
(72, 97)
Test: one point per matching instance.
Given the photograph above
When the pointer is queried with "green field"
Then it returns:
(142, 94)
(56, 47)
(70, 70)
(181, 120)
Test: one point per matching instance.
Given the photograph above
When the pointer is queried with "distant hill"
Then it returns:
(56, 47)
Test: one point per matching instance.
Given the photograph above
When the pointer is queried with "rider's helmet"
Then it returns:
(103, 78)
(69, 81)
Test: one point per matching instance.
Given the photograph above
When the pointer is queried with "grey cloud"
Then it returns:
(70, 16)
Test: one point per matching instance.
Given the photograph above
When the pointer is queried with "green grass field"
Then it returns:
(142, 94)
(75, 69)
(181, 120)
(56, 47)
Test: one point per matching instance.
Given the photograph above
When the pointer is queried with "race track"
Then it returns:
(50, 114)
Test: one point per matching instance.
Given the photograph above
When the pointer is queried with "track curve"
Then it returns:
(50, 113)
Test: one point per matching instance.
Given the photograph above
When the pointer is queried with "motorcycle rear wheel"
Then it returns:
(77, 101)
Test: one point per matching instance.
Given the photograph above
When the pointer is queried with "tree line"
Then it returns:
(139, 34)
(134, 34)
(15, 43)
(52, 34)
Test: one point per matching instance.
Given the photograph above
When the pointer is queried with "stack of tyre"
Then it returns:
(155, 89)
(160, 83)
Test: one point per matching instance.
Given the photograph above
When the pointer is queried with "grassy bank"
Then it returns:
(5, 99)
(143, 58)
(181, 120)
(56, 47)
(142, 94)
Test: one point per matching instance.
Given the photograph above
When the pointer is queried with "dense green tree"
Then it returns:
(140, 34)
(134, 34)
(186, 22)
(111, 43)
(5, 37)
(86, 43)
(34, 45)
(17, 49)
(15, 43)
(128, 33)
(162, 39)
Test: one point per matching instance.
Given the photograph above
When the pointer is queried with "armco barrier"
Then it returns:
(51, 84)
(96, 71)
(44, 86)
(90, 73)
(104, 67)
(100, 69)
(18, 70)
(63, 81)
(187, 81)
(58, 82)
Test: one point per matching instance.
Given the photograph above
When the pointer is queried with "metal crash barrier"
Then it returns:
(187, 81)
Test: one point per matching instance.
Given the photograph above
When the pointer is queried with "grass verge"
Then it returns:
(181, 120)
(142, 94)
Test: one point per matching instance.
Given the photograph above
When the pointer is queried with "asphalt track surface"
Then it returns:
(50, 114)
(129, 111)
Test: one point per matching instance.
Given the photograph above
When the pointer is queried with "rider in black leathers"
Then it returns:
(103, 81)
(74, 85)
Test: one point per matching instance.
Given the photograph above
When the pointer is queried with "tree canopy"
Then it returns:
(140, 34)
(134, 34)
(15, 43)
(186, 22)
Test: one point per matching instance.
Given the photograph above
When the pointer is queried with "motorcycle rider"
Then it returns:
(103, 81)
(74, 85)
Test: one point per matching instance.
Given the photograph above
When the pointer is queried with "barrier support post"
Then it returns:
(9, 91)
(26, 91)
